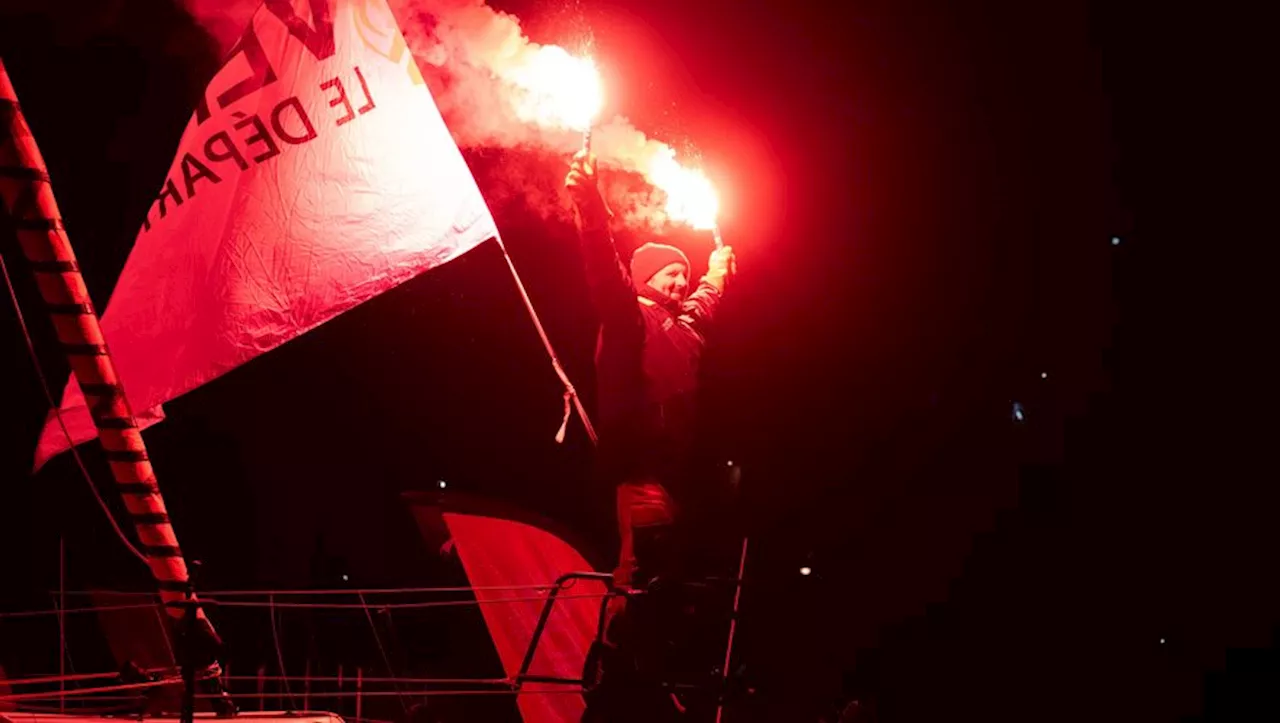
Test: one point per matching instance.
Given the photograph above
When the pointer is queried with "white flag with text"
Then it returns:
(316, 174)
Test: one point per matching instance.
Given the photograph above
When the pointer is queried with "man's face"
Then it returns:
(672, 281)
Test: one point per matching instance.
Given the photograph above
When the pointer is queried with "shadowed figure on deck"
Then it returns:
(650, 345)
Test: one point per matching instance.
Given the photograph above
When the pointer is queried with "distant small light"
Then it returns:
(1162, 641)
(1115, 240)
(345, 578)
(1018, 414)
(729, 463)
(443, 484)
(806, 571)
(1044, 375)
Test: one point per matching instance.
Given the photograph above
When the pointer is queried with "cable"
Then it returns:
(95, 712)
(58, 678)
(57, 412)
(391, 630)
(367, 679)
(104, 608)
(308, 606)
(389, 693)
(160, 623)
(275, 636)
(345, 591)
(375, 591)
(87, 691)
(396, 606)
(386, 659)
(504, 689)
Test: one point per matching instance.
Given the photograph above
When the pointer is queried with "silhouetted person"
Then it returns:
(651, 340)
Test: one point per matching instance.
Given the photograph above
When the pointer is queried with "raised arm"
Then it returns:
(699, 309)
(610, 280)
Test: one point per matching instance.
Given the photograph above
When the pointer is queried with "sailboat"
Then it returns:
(297, 193)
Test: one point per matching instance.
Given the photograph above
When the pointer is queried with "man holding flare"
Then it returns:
(651, 341)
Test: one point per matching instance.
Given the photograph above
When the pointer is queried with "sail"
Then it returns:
(315, 174)
(510, 557)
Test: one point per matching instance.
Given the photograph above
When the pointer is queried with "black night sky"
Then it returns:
(923, 198)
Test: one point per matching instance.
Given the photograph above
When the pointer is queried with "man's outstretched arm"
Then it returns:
(609, 279)
(699, 309)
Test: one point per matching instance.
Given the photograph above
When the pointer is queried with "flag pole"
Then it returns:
(570, 393)
(28, 197)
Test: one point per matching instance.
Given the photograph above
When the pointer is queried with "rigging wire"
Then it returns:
(313, 606)
(87, 691)
(374, 680)
(347, 591)
(48, 679)
(94, 609)
(275, 636)
(568, 689)
(121, 709)
(399, 606)
(59, 678)
(386, 659)
(57, 412)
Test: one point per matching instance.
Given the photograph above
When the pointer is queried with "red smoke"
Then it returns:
(469, 52)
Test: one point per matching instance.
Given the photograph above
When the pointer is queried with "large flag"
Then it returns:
(316, 174)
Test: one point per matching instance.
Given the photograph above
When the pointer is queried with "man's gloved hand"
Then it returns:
(721, 267)
(585, 191)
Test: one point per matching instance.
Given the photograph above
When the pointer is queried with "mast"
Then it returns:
(27, 195)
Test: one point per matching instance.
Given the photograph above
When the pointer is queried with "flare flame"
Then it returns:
(556, 89)
(691, 198)
(499, 89)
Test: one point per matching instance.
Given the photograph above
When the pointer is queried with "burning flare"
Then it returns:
(557, 90)
(499, 89)
(691, 198)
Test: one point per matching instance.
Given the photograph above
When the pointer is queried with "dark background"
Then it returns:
(922, 196)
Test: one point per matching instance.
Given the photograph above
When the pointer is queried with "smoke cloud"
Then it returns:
(471, 55)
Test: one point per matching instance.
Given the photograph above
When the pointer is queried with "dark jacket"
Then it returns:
(647, 359)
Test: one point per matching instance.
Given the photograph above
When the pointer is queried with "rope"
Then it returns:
(308, 606)
(273, 678)
(57, 413)
(57, 678)
(346, 591)
(396, 606)
(425, 692)
(61, 710)
(275, 637)
(104, 608)
(270, 603)
(87, 691)
(77, 677)
(569, 392)
(386, 659)
(365, 694)
(335, 679)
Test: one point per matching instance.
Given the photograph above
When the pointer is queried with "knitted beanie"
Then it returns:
(651, 258)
